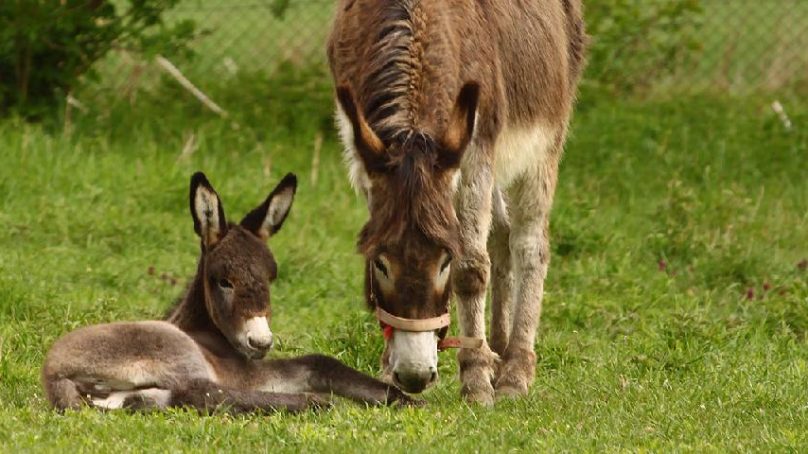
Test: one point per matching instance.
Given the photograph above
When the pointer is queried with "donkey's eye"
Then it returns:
(446, 264)
(224, 283)
(380, 266)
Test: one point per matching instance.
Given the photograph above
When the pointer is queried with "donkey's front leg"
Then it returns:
(470, 277)
(532, 197)
(501, 275)
(327, 375)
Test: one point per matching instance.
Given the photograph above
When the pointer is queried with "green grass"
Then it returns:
(629, 356)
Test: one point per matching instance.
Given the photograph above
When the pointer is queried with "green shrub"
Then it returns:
(635, 43)
(45, 46)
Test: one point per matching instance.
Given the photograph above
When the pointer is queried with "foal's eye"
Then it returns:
(380, 266)
(224, 283)
(446, 264)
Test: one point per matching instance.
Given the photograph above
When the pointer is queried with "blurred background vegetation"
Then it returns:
(94, 60)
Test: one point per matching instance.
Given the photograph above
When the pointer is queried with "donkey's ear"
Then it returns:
(460, 129)
(267, 219)
(207, 211)
(368, 144)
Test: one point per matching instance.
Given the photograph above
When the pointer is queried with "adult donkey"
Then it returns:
(448, 109)
(207, 354)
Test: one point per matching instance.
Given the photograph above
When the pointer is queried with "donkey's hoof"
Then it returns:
(483, 396)
(477, 373)
(511, 390)
(516, 373)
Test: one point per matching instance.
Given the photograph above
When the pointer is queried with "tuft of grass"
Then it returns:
(675, 315)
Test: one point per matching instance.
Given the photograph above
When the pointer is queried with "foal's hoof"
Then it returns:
(318, 403)
(408, 401)
(397, 398)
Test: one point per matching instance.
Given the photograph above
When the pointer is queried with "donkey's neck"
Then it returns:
(190, 314)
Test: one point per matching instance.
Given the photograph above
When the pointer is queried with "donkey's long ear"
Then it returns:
(460, 129)
(207, 211)
(368, 144)
(267, 219)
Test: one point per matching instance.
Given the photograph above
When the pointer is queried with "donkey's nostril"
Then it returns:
(411, 382)
(260, 343)
(433, 377)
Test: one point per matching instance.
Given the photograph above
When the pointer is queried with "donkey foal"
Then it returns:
(207, 354)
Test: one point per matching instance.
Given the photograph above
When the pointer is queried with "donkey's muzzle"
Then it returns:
(256, 337)
(261, 343)
(415, 382)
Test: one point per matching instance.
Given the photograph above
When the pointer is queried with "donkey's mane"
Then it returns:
(394, 69)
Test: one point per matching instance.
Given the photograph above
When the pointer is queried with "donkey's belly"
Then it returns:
(124, 356)
(519, 149)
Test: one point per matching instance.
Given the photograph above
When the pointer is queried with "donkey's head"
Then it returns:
(236, 266)
(412, 233)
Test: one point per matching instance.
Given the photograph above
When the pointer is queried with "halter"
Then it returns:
(388, 321)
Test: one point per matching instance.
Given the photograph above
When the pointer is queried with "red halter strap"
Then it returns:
(389, 321)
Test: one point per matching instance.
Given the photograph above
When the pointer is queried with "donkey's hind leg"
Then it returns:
(327, 375)
(501, 275)
(532, 197)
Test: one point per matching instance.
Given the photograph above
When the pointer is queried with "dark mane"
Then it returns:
(413, 198)
(394, 69)
(189, 309)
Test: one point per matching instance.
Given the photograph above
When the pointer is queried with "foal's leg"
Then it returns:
(470, 276)
(64, 393)
(532, 197)
(207, 396)
(501, 276)
(324, 374)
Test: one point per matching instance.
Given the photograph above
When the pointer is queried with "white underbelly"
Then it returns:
(519, 149)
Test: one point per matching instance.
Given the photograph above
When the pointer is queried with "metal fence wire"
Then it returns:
(737, 45)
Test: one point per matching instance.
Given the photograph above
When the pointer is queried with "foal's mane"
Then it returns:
(187, 307)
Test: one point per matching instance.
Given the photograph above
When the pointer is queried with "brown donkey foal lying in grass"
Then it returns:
(207, 354)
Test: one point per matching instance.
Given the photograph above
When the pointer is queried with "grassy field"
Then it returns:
(676, 314)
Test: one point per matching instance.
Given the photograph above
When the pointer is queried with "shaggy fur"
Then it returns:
(454, 116)
(198, 357)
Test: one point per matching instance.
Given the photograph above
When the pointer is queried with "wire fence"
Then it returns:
(736, 46)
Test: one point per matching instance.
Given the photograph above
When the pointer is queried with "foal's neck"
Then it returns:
(191, 314)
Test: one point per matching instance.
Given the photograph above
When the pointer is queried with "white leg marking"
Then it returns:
(160, 397)
(114, 401)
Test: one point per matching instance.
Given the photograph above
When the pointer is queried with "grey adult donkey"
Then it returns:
(454, 115)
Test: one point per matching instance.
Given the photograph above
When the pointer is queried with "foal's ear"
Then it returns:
(267, 219)
(460, 129)
(368, 144)
(207, 211)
